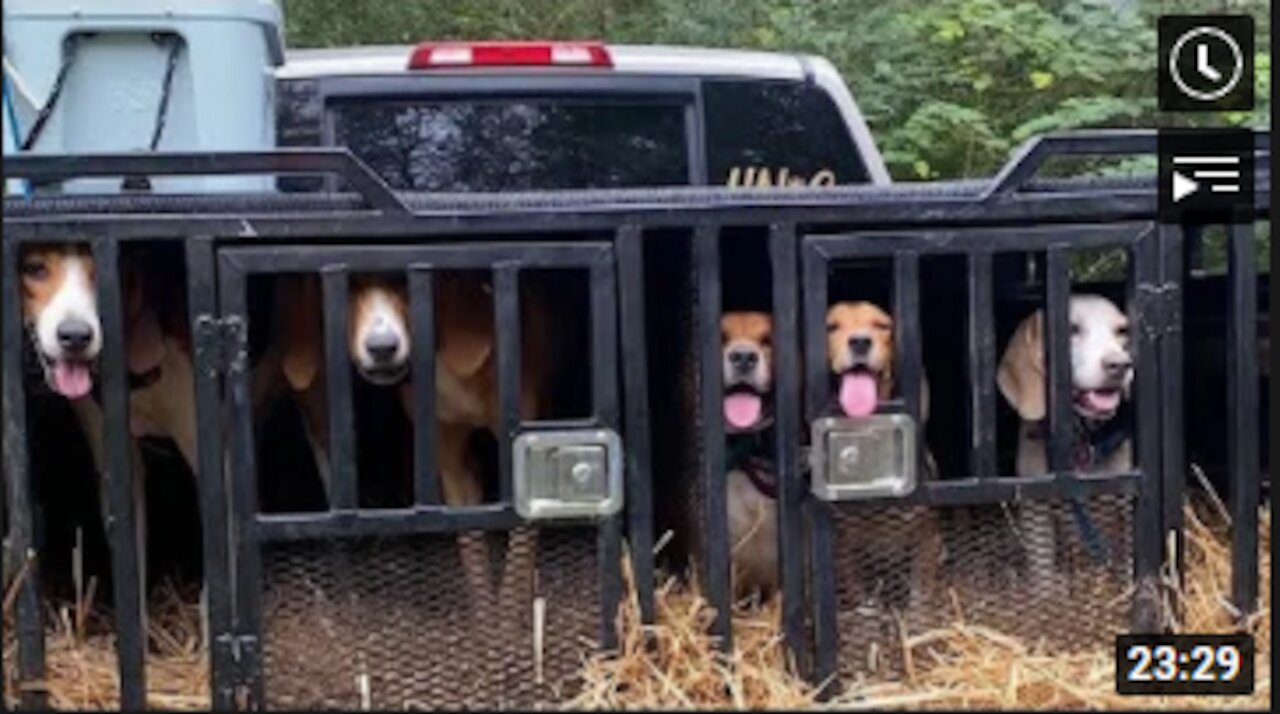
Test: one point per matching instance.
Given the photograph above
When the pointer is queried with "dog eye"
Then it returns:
(1122, 331)
(831, 327)
(1075, 329)
(35, 269)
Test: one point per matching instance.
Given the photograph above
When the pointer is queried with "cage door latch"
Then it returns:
(870, 457)
(570, 473)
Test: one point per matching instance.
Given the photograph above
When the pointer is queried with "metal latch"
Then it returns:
(574, 473)
(869, 457)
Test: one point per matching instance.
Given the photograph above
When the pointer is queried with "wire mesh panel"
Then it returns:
(893, 585)
(390, 623)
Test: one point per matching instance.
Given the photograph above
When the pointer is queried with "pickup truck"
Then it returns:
(448, 117)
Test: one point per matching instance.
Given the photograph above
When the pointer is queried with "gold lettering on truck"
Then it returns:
(764, 177)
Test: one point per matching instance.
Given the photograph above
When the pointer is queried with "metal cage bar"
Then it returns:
(21, 535)
(716, 569)
(1242, 413)
(819, 517)
(1057, 358)
(343, 492)
(123, 484)
(1144, 271)
(982, 366)
(507, 329)
(787, 436)
(422, 308)
(629, 249)
(906, 336)
(815, 275)
(605, 404)
(826, 633)
(246, 565)
(202, 307)
(1175, 267)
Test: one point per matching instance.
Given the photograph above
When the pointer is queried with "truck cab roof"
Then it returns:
(626, 63)
(628, 59)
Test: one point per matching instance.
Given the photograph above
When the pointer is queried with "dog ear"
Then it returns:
(465, 333)
(1021, 375)
(145, 345)
(297, 303)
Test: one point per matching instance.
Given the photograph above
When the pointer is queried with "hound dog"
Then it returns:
(1101, 375)
(379, 342)
(747, 367)
(60, 311)
(905, 551)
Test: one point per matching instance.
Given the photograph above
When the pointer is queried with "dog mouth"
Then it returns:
(385, 375)
(744, 407)
(1098, 403)
(859, 393)
(69, 377)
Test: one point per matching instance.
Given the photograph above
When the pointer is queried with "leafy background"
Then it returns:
(949, 87)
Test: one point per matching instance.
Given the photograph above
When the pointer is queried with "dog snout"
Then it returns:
(860, 345)
(744, 361)
(74, 335)
(382, 346)
(1117, 365)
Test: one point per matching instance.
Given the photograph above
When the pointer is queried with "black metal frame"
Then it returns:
(345, 519)
(984, 484)
(378, 214)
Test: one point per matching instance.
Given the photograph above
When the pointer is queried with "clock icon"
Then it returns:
(1206, 63)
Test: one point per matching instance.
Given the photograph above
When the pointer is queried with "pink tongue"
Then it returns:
(71, 379)
(858, 396)
(1101, 402)
(742, 411)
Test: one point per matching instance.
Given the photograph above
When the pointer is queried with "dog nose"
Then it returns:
(744, 360)
(1117, 365)
(74, 334)
(382, 346)
(860, 344)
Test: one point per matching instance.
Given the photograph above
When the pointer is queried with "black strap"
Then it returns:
(760, 472)
(166, 87)
(71, 45)
(1093, 446)
(744, 451)
(143, 183)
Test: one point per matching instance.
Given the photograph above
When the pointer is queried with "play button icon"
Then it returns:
(1206, 175)
(1183, 186)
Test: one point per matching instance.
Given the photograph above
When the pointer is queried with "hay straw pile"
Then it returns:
(80, 653)
(961, 666)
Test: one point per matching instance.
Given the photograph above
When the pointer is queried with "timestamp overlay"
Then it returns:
(1184, 664)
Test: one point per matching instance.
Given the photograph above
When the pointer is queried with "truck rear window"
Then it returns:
(777, 133)
(516, 145)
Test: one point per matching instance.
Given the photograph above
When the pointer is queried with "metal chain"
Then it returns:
(37, 128)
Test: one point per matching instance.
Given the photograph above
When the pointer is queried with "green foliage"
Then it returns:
(949, 87)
